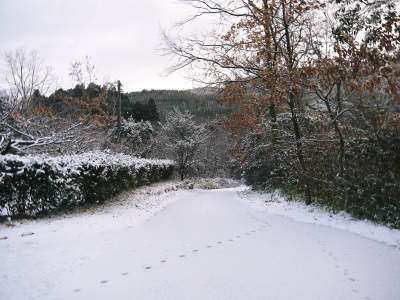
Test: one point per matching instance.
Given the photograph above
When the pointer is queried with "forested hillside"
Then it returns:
(201, 104)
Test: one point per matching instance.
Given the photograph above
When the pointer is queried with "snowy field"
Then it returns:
(163, 243)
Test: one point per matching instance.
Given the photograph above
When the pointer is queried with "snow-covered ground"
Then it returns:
(275, 203)
(198, 244)
(130, 208)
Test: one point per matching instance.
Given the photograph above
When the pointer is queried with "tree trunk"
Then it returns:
(299, 148)
(292, 103)
(334, 117)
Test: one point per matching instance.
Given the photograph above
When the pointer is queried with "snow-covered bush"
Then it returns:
(37, 185)
(135, 137)
(184, 138)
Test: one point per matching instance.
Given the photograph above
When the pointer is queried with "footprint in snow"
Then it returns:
(230, 240)
(163, 261)
(147, 268)
(76, 290)
(103, 281)
(182, 255)
(124, 274)
(195, 250)
(27, 234)
(209, 246)
(219, 242)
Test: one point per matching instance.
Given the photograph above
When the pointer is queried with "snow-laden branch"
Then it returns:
(16, 139)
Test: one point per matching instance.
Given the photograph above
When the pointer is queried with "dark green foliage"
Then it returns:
(370, 184)
(139, 111)
(264, 166)
(34, 190)
(373, 178)
(37, 187)
(369, 187)
(151, 111)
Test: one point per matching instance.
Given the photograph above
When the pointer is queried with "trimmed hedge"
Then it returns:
(39, 185)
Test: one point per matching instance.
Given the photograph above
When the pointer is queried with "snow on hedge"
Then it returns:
(37, 185)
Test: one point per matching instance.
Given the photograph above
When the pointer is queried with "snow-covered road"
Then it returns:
(205, 245)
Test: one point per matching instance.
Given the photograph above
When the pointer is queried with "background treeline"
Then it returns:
(92, 100)
(200, 102)
(146, 105)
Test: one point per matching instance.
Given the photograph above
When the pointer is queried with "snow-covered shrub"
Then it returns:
(184, 138)
(135, 137)
(37, 185)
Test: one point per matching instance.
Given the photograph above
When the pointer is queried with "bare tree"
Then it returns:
(82, 72)
(26, 73)
(75, 72)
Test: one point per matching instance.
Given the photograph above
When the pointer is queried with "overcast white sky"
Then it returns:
(121, 37)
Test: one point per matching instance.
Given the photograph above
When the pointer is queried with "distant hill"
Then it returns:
(200, 102)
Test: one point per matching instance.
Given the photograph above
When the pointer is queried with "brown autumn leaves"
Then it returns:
(331, 69)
